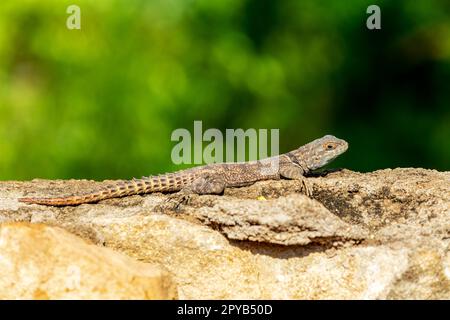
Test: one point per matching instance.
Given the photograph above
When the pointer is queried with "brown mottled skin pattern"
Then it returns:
(214, 178)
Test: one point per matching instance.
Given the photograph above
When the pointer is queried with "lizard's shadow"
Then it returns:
(279, 251)
(323, 172)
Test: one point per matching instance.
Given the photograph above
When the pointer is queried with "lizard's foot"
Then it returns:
(307, 187)
(175, 201)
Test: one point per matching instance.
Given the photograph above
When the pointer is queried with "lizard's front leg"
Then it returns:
(291, 171)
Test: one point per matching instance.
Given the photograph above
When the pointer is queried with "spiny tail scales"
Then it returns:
(161, 183)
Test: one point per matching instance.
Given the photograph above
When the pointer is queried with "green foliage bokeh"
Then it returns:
(101, 102)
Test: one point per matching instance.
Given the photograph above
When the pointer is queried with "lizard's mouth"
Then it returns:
(345, 146)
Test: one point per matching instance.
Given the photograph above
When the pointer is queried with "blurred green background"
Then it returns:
(102, 102)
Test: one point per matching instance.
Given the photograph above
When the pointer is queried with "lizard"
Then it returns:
(214, 178)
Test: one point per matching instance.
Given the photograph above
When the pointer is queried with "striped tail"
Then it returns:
(162, 183)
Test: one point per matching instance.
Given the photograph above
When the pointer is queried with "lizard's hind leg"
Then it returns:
(208, 184)
(205, 184)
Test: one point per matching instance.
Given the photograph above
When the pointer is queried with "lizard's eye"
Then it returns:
(329, 146)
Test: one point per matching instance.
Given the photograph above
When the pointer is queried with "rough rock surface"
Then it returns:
(41, 262)
(383, 234)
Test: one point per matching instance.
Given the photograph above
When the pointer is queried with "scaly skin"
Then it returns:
(214, 178)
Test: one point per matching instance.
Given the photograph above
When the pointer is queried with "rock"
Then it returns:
(378, 235)
(41, 262)
(291, 220)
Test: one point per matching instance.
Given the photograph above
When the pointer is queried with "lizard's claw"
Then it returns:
(307, 187)
(174, 201)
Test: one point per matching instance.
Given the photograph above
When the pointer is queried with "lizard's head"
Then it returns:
(320, 152)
